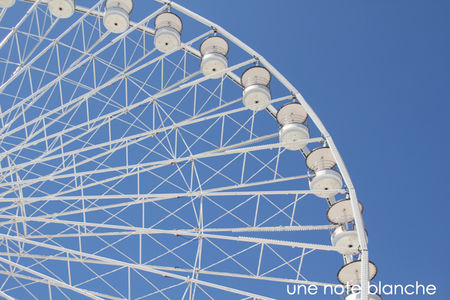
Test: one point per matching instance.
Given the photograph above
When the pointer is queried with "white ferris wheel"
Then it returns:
(161, 158)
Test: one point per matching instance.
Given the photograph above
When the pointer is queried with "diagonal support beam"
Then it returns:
(50, 280)
(137, 267)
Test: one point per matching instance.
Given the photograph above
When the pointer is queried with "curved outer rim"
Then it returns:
(344, 172)
(215, 36)
(270, 75)
(359, 223)
(290, 103)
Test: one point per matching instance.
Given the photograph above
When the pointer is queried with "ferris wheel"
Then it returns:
(162, 158)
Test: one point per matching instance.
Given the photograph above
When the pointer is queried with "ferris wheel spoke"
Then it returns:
(244, 239)
(34, 280)
(65, 107)
(155, 165)
(138, 267)
(259, 277)
(128, 70)
(230, 149)
(225, 153)
(87, 291)
(204, 270)
(30, 36)
(38, 94)
(214, 273)
(2, 293)
(49, 279)
(148, 198)
(19, 285)
(2, 13)
(123, 144)
(21, 21)
(229, 238)
(130, 230)
(193, 120)
(82, 60)
(107, 117)
(283, 262)
(24, 65)
(260, 228)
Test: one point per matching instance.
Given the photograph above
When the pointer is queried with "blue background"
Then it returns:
(378, 75)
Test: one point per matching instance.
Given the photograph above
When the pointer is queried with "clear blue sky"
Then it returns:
(378, 75)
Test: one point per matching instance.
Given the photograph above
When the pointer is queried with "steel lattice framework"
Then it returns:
(126, 173)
